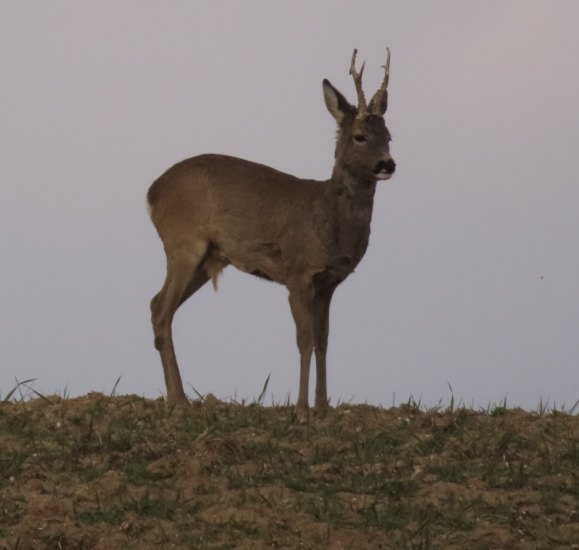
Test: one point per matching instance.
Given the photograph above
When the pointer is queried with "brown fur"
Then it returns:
(213, 210)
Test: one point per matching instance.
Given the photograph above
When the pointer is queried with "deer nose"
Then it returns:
(390, 166)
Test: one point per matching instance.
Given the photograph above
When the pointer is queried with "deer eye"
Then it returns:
(360, 138)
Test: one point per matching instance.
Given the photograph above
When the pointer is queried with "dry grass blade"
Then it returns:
(17, 388)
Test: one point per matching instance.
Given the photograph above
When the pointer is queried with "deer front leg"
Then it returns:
(321, 310)
(300, 299)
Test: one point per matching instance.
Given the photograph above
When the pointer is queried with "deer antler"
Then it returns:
(381, 96)
(362, 107)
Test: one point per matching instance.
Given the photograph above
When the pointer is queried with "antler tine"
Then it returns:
(362, 107)
(387, 68)
(383, 90)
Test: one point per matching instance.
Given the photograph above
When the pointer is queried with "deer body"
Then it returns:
(214, 210)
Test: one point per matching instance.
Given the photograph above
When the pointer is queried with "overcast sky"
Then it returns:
(472, 274)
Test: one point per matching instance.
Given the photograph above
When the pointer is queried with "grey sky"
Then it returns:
(471, 276)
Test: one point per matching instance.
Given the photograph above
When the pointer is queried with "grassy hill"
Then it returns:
(127, 472)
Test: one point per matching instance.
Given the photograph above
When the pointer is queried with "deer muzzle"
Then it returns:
(385, 168)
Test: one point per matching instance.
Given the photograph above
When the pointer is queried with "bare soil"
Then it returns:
(126, 472)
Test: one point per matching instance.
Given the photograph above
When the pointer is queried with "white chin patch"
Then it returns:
(383, 176)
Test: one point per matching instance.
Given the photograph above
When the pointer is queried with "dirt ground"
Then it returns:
(126, 472)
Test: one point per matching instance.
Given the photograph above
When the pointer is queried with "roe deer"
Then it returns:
(213, 210)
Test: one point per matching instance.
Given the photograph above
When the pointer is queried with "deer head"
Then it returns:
(362, 148)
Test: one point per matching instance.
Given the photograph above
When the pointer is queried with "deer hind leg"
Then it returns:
(321, 314)
(185, 275)
(300, 300)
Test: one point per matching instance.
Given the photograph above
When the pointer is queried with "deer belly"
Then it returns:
(263, 260)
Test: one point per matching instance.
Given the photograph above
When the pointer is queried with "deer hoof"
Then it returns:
(321, 411)
(302, 415)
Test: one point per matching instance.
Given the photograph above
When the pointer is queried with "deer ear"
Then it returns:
(336, 103)
(379, 104)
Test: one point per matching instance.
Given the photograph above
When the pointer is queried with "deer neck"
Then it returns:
(351, 195)
(351, 200)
